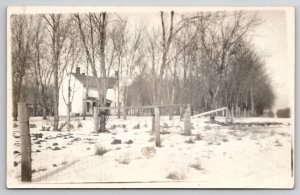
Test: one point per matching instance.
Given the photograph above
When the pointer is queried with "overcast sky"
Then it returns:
(271, 43)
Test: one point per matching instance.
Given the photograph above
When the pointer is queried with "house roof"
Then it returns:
(96, 99)
(92, 81)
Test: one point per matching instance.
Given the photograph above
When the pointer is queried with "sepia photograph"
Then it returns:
(150, 97)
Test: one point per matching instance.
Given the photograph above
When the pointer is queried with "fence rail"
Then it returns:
(156, 117)
(143, 107)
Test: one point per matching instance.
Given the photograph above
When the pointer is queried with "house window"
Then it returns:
(88, 105)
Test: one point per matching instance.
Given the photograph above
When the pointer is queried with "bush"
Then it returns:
(164, 132)
(283, 113)
(197, 165)
(32, 125)
(116, 141)
(129, 142)
(190, 141)
(176, 176)
(125, 160)
(277, 143)
(270, 114)
(100, 150)
(198, 137)
(224, 139)
(166, 125)
(137, 126)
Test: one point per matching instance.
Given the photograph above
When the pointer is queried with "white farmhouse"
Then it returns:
(79, 84)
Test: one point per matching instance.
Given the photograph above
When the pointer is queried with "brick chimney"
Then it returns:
(77, 70)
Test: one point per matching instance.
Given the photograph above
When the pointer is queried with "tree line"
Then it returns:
(206, 59)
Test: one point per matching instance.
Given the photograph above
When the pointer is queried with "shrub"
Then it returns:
(113, 127)
(164, 132)
(166, 125)
(224, 139)
(71, 126)
(125, 160)
(197, 165)
(277, 143)
(270, 114)
(129, 142)
(100, 150)
(190, 141)
(32, 125)
(283, 113)
(176, 176)
(56, 148)
(116, 141)
(137, 126)
(62, 125)
(198, 137)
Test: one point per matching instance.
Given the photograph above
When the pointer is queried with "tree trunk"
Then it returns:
(102, 122)
(84, 109)
(44, 112)
(252, 102)
(68, 116)
(103, 68)
(44, 100)
(125, 103)
(172, 102)
(26, 172)
(15, 109)
(16, 98)
(56, 97)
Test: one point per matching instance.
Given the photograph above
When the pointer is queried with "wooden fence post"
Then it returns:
(157, 126)
(124, 114)
(26, 172)
(180, 113)
(96, 123)
(227, 115)
(153, 123)
(187, 120)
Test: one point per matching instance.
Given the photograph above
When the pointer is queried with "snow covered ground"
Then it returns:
(243, 155)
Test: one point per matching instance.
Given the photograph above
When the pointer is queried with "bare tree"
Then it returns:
(71, 58)
(21, 53)
(133, 56)
(118, 40)
(42, 68)
(220, 35)
(168, 33)
(58, 27)
(96, 23)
